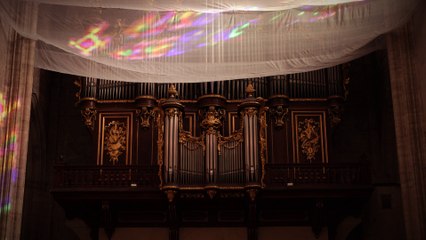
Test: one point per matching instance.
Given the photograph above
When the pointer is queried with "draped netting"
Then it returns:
(194, 41)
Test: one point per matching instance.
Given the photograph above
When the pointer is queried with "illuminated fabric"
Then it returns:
(191, 40)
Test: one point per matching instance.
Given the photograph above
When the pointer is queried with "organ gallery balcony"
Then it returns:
(264, 133)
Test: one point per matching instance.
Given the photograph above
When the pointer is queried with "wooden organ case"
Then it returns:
(249, 141)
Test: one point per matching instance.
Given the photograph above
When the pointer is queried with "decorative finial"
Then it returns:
(250, 90)
(172, 91)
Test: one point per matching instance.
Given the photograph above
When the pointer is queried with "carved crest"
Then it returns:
(115, 140)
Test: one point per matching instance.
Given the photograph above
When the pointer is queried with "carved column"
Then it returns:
(212, 114)
(249, 111)
(172, 123)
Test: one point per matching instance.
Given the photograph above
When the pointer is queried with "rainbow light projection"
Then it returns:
(92, 40)
(156, 35)
(8, 149)
(310, 14)
(166, 34)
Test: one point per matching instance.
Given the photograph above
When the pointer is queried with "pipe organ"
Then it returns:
(198, 154)
(215, 134)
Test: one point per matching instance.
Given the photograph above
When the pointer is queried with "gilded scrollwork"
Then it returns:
(309, 136)
(115, 140)
(236, 137)
(89, 117)
(185, 137)
(280, 115)
(263, 140)
(159, 120)
(146, 115)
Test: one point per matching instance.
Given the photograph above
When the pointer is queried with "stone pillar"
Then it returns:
(15, 106)
(406, 51)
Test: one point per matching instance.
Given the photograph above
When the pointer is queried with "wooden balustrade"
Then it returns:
(105, 176)
(312, 174)
(277, 175)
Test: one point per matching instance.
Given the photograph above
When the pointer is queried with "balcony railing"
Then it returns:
(67, 176)
(279, 175)
(276, 175)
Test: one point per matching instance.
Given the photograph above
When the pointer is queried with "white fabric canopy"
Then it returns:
(192, 40)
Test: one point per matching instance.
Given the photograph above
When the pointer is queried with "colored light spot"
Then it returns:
(6, 108)
(5, 208)
(92, 40)
(156, 35)
(238, 30)
(301, 13)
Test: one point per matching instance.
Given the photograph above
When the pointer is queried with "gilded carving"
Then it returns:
(280, 114)
(115, 140)
(89, 117)
(250, 90)
(159, 116)
(263, 140)
(236, 137)
(171, 112)
(146, 116)
(249, 112)
(213, 118)
(185, 137)
(309, 136)
(172, 91)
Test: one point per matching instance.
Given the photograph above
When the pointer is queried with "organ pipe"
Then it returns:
(173, 117)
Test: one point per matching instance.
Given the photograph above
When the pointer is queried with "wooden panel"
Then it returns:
(115, 138)
(309, 136)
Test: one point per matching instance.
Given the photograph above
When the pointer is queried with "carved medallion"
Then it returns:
(309, 137)
(115, 140)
